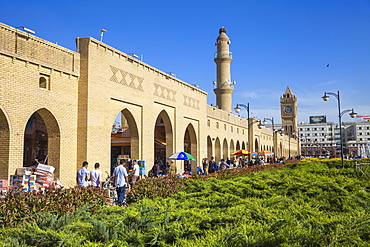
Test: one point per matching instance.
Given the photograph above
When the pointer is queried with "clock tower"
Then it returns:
(289, 115)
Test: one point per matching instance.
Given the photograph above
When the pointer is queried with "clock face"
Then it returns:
(288, 109)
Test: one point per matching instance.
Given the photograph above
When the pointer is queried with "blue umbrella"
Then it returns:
(181, 156)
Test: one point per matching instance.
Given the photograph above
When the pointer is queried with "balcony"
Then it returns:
(223, 54)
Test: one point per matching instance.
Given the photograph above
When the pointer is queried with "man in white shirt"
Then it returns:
(135, 173)
(120, 181)
(96, 176)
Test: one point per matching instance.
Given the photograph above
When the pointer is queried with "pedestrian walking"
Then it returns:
(156, 168)
(205, 166)
(135, 172)
(96, 176)
(212, 165)
(120, 177)
(83, 175)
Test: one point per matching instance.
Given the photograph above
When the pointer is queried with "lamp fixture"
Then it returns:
(27, 29)
(102, 31)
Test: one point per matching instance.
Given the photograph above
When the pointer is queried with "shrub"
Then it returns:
(310, 205)
(162, 186)
(17, 207)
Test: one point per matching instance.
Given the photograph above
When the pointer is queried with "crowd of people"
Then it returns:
(128, 171)
(121, 177)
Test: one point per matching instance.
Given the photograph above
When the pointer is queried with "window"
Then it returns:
(44, 81)
(232, 129)
(237, 130)
(217, 125)
(209, 123)
(225, 127)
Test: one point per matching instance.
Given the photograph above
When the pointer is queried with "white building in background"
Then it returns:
(357, 139)
(321, 138)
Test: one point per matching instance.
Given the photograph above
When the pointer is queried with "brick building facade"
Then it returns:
(76, 96)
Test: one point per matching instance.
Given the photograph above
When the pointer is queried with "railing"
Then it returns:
(223, 54)
(216, 86)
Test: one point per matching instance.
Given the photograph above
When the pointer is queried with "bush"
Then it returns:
(308, 204)
(17, 207)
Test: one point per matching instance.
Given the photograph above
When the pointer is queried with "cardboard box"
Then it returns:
(3, 193)
(46, 168)
(24, 171)
(43, 173)
(4, 184)
(18, 179)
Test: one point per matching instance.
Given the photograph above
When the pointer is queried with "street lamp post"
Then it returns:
(340, 114)
(237, 110)
(101, 34)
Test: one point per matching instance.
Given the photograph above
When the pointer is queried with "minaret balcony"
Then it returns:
(224, 85)
(223, 54)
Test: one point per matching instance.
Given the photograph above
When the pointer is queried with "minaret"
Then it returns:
(223, 87)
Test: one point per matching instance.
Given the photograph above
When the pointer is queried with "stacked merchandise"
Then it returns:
(44, 175)
(23, 183)
(142, 166)
(24, 171)
(3, 188)
(19, 183)
(32, 183)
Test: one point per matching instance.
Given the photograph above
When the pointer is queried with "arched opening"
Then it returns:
(4, 146)
(232, 148)
(237, 146)
(42, 141)
(281, 149)
(163, 138)
(209, 147)
(217, 149)
(190, 146)
(256, 146)
(243, 145)
(225, 149)
(124, 138)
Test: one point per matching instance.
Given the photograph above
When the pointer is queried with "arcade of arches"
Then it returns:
(58, 106)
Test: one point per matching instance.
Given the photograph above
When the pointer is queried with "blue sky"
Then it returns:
(275, 44)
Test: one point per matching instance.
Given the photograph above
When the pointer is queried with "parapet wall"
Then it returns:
(224, 116)
(24, 46)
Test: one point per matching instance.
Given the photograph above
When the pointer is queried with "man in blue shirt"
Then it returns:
(120, 181)
(83, 175)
